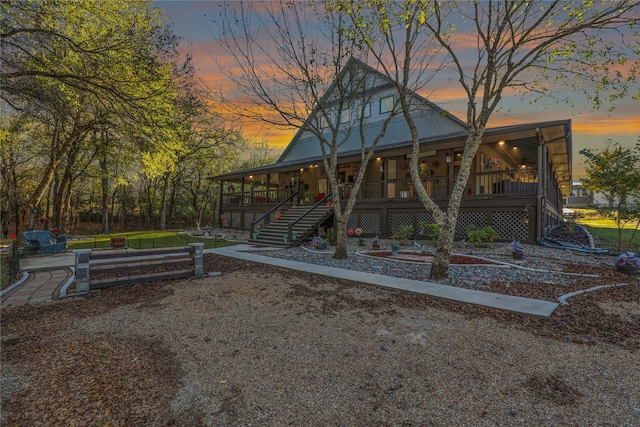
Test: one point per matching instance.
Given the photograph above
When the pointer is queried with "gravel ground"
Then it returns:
(540, 264)
(262, 346)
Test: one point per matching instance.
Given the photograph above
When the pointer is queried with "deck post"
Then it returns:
(82, 269)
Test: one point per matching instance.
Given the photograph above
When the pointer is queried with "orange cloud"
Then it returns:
(608, 126)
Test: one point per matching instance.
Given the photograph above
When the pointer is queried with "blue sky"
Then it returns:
(194, 21)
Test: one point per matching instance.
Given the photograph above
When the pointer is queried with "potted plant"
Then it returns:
(517, 249)
(627, 263)
(375, 243)
(318, 243)
(395, 248)
(256, 232)
(278, 215)
(118, 242)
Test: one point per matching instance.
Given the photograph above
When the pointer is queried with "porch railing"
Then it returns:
(494, 183)
(256, 197)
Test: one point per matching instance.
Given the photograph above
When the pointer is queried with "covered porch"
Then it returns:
(517, 168)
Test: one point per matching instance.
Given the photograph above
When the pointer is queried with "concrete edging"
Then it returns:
(520, 305)
(25, 276)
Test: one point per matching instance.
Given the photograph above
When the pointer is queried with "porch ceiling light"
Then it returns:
(501, 142)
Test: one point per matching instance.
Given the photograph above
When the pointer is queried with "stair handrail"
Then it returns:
(267, 213)
(305, 213)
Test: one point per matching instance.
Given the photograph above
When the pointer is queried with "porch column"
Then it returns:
(384, 168)
(542, 179)
(268, 188)
(242, 191)
(220, 204)
(449, 160)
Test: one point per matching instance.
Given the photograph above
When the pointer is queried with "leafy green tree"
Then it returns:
(84, 66)
(615, 173)
(20, 165)
(535, 47)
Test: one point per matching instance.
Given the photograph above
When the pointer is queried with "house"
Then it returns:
(519, 177)
(580, 197)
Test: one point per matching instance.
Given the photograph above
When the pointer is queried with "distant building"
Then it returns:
(580, 197)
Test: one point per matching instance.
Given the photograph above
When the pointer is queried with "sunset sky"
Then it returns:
(194, 22)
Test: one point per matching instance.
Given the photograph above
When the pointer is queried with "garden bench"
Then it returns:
(43, 242)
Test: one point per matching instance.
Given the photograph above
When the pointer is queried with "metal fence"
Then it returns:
(9, 266)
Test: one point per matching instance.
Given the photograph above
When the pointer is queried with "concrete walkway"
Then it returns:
(49, 273)
(520, 305)
(40, 285)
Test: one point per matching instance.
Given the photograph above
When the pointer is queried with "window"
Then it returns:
(324, 121)
(345, 117)
(386, 104)
(364, 110)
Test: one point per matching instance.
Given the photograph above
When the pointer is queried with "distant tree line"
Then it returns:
(102, 120)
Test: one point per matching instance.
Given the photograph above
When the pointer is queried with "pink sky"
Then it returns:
(194, 21)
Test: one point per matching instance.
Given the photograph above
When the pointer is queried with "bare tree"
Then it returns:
(534, 47)
(294, 67)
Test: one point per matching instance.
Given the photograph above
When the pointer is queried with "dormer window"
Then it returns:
(386, 104)
(345, 116)
(364, 111)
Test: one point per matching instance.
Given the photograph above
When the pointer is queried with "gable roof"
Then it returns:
(430, 119)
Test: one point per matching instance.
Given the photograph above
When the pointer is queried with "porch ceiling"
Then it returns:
(558, 141)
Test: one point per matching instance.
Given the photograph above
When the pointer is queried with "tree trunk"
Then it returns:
(440, 266)
(341, 241)
(105, 203)
(163, 208)
(76, 135)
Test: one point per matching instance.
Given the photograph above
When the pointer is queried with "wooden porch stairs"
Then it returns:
(273, 233)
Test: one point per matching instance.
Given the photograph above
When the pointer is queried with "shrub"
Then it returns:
(332, 236)
(404, 232)
(481, 236)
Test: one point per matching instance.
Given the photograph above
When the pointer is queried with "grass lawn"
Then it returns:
(146, 240)
(606, 231)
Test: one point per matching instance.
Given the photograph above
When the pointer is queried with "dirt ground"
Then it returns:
(262, 346)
